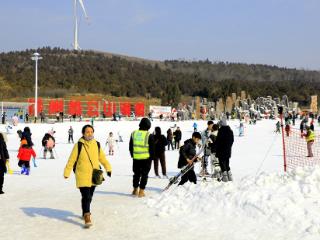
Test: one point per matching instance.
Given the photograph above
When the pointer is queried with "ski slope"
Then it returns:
(261, 203)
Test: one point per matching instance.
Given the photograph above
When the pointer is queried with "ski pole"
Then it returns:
(34, 162)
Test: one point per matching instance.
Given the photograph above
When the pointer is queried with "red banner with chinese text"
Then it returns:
(31, 106)
(55, 105)
(75, 108)
(139, 109)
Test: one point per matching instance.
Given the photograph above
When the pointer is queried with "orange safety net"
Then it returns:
(296, 149)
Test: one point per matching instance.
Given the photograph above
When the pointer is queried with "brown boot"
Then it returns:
(141, 193)
(135, 192)
(87, 220)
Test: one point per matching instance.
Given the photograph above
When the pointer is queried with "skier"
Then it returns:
(177, 138)
(26, 116)
(303, 126)
(160, 142)
(224, 143)
(61, 114)
(70, 133)
(287, 129)
(133, 116)
(141, 147)
(170, 138)
(24, 155)
(86, 156)
(48, 143)
(186, 153)
(42, 117)
(207, 150)
(111, 142)
(3, 119)
(120, 137)
(4, 158)
(241, 130)
(278, 127)
(310, 137)
(215, 166)
(195, 127)
(150, 115)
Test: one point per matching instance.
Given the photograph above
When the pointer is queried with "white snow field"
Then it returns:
(261, 203)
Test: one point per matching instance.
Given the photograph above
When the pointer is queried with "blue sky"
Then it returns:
(276, 32)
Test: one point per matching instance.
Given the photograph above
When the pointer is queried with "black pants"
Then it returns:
(189, 176)
(70, 138)
(1, 178)
(141, 169)
(224, 164)
(177, 144)
(25, 163)
(170, 144)
(87, 194)
(162, 158)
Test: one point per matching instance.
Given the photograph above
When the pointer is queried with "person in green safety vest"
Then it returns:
(141, 148)
(310, 137)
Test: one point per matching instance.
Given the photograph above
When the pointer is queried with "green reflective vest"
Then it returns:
(140, 144)
(310, 136)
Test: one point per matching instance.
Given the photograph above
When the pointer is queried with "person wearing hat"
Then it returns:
(141, 147)
(26, 134)
(310, 137)
(224, 143)
(205, 137)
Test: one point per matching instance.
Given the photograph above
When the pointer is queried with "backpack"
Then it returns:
(79, 150)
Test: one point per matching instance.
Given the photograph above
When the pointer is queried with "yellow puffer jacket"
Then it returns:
(84, 169)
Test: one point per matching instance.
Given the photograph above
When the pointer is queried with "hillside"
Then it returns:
(63, 72)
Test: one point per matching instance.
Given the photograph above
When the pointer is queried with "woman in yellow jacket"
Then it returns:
(90, 156)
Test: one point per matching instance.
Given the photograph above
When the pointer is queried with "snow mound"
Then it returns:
(291, 200)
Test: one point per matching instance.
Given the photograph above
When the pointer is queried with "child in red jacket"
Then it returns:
(24, 156)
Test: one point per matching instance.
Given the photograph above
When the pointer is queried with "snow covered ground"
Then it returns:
(262, 202)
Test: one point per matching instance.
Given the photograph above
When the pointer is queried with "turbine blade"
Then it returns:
(83, 8)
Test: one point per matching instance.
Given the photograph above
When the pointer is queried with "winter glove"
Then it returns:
(109, 174)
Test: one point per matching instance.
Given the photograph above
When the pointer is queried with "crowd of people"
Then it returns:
(146, 148)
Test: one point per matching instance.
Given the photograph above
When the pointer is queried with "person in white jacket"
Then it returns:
(111, 142)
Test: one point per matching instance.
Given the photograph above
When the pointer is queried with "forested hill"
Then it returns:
(62, 72)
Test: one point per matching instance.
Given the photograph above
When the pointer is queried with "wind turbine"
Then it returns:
(75, 43)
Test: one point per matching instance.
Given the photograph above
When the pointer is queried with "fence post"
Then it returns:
(280, 110)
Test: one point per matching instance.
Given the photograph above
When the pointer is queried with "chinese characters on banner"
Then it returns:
(87, 108)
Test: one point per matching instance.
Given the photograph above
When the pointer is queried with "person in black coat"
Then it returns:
(224, 143)
(170, 138)
(26, 134)
(160, 142)
(4, 156)
(177, 138)
(186, 154)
